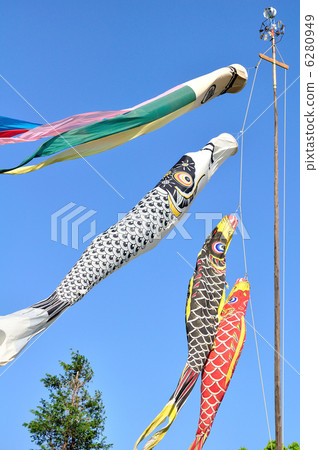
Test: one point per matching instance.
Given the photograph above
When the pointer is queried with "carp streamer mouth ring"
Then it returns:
(2, 336)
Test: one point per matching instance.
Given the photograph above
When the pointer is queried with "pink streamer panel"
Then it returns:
(76, 121)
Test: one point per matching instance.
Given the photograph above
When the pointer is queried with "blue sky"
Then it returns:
(111, 55)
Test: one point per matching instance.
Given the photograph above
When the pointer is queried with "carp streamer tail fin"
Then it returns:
(18, 328)
(171, 410)
(199, 441)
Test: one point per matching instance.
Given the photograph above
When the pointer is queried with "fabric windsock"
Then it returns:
(139, 231)
(223, 358)
(86, 134)
(204, 300)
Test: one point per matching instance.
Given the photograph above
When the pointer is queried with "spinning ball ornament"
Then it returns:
(269, 13)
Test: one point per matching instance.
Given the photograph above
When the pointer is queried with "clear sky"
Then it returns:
(69, 57)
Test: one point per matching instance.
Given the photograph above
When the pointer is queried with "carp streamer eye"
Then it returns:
(184, 178)
(233, 300)
(218, 247)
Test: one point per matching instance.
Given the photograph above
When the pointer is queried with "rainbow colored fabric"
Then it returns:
(11, 127)
(90, 133)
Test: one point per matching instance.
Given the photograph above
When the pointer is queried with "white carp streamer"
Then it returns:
(139, 231)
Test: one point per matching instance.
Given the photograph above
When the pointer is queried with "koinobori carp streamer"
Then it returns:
(139, 231)
(205, 293)
(223, 358)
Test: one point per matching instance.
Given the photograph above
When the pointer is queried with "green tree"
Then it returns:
(294, 446)
(272, 446)
(72, 418)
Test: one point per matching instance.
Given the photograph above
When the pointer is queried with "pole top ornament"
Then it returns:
(270, 28)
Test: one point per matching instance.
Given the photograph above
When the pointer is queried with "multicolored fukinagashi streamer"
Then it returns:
(90, 133)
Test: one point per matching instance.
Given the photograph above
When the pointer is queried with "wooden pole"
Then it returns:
(278, 393)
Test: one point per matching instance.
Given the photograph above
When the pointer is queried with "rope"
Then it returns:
(271, 104)
(280, 56)
(269, 48)
(241, 166)
(260, 373)
(241, 134)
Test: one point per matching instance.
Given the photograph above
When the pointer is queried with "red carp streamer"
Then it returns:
(223, 358)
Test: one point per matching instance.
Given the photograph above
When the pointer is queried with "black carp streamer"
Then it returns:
(205, 299)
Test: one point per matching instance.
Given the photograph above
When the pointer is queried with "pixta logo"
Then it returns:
(66, 224)
(209, 221)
